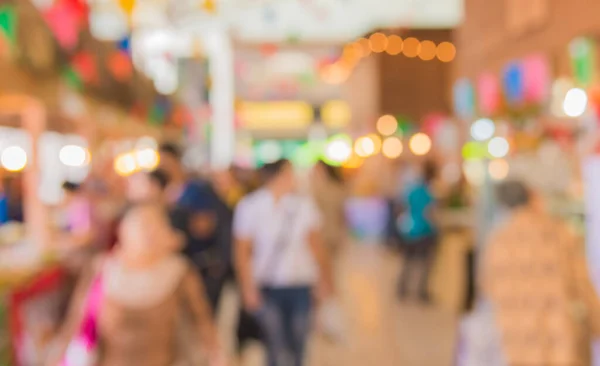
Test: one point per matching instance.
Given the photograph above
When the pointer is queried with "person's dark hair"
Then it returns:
(429, 171)
(332, 172)
(512, 194)
(71, 187)
(159, 177)
(271, 170)
(170, 149)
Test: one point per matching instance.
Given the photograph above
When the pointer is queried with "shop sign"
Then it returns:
(275, 115)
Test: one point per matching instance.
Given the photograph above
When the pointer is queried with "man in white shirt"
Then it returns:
(280, 260)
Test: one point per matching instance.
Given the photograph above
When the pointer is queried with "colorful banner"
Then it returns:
(464, 99)
(513, 84)
(488, 94)
(536, 79)
(583, 55)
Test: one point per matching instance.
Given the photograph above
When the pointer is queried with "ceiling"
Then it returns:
(302, 20)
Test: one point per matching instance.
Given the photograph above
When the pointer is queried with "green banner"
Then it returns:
(582, 51)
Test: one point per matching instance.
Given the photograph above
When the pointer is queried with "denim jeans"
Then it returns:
(285, 322)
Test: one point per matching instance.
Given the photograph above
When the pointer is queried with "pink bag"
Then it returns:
(83, 348)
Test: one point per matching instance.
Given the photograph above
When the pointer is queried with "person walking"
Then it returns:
(280, 259)
(419, 232)
(330, 197)
(143, 304)
(535, 274)
(207, 228)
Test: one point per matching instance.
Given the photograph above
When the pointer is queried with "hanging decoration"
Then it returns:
(488, 94)
(536, 81)
(464, 99)
(8, 24)
(583, 57)
(125, 45)
(84, 65)
(120, 66)
(268, 49)
(63, 21)
(432, 123)
(127, 6)
(108, 22)
(209, 6)
(405, 127)
(513, 84)
(72, 79)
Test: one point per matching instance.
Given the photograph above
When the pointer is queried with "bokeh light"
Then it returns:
(108, 22)
(411, 47)
(74, 156)
(147, 159)
(395, 45)
(575, 102)
(338, 151)
(498, 147)
(335, 74)
(474, 150)
(125, 164)
(428, 50)
(365, 46)
(387, 125)
(420, 144)
(354, 162)
(364, 147)
(392, 147)
(378, 42)
(270, 151)
(376, 142)
(446, 52)
(483, 129)
(498, 169)
(14, 158)
(474, 171)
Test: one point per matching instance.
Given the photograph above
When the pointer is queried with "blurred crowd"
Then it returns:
(147, 275)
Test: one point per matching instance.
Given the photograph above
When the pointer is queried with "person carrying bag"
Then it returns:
(280, 261)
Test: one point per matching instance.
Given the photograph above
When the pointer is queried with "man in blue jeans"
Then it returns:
(280, 260)
(419, 231)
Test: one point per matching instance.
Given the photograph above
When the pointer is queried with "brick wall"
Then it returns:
(411, 86)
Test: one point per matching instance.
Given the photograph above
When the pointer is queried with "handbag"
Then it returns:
(83, 348)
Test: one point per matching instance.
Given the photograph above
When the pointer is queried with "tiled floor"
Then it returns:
(381, 331)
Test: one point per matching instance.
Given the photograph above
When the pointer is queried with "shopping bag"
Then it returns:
(331, 321)
(479, 339)
(83, 348)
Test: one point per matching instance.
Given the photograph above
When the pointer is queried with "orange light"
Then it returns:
(392, 147)
(395, 45)
(446, 52)
(335, 74)
(351, 55)
(378, 42)
(387, 125)
(412, 47)
(428, 51)
(365, 46)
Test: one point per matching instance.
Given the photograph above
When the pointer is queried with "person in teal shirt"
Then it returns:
(419, 231)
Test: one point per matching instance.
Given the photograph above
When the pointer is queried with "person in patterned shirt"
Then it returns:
(535, 274)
